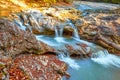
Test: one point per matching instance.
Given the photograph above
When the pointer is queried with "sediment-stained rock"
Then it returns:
(80, 50)
(100, 24)
(16, 62)
(15, 41)
(40, 67)
(15, 73)
(45, 21)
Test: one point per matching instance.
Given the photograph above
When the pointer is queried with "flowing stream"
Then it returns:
(101, 66)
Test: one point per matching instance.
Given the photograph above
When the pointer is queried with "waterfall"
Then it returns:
(71, 62)
(59, 30)
(75, 33)
(102, 56)
(99, 55)
(63, 54)
(60, 27)
(20, 25)
(106, 59)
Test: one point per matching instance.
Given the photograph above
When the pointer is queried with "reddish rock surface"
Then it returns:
(102, 29)
(15, 41)
(40, 67)
(34, 67)
(15, 73)
(80, 50)
(16, 56)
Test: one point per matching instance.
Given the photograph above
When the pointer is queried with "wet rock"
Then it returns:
(80, 50)
(17, 64)
(40, 67)
(107, 24)
(15, 41)
(79, 22)
(45, 21)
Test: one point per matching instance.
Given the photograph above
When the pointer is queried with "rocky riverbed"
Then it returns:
(23, 57)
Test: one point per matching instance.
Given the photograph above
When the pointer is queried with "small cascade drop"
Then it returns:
(102, 56)
(20, 25)
(61, 50)
(100, 53)
(75, 33)
(59, 30)
(71, 62)
(106, 59)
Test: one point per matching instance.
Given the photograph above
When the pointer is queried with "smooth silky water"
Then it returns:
(101, 66)
(90, 70)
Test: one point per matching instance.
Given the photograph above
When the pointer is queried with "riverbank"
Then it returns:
(98, 5)
(37, 42)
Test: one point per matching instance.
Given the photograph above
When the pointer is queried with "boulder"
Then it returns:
(45, 21)
(38, 67)
(102, 29)
(17, 59)
(14, 41)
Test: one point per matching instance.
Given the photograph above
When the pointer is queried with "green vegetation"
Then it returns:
(107, 1)
(112, 1)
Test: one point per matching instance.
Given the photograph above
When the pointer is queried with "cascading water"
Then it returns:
(75, 33)
(99, 55)
(102, 56)
(71, 62)
(20, 25)
(85, 66)
(59, 30)
(106, 59)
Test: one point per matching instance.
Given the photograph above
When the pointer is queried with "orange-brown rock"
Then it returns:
(15, 41)
(40, 67)
(108, 27)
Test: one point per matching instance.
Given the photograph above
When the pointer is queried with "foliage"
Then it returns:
(37, 3)
(113, 1)
(107, 1)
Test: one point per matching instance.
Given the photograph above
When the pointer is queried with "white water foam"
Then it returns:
(71, 62)
(60, 39)
(107, 59)
(75, 33)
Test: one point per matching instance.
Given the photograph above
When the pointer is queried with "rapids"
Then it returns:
(100, 66)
